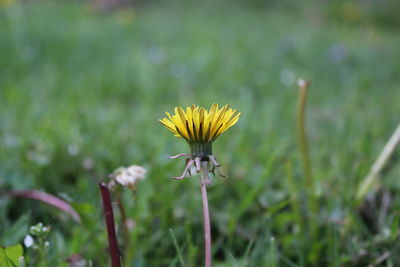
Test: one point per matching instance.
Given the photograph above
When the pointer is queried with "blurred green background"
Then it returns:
(82, 85)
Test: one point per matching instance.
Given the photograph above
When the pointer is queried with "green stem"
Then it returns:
(124, 226)
(132, 240)
(124, 219)
(297, 211)
(302, 138)
(303, 146)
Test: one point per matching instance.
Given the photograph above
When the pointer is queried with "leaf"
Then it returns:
(13, 254)
(3, 258)
(17, 231)
(10, 256)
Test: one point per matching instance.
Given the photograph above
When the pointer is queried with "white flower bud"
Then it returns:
(28, 241)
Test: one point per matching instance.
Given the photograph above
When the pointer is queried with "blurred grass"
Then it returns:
(81, 92)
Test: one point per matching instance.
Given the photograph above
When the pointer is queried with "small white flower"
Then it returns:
(28, 241)
(129, 176)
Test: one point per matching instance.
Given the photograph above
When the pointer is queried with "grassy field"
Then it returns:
(81, 92)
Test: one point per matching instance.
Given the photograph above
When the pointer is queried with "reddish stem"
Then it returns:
(48, 199)
(109, 218)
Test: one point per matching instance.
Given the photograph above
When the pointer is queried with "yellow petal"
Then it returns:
(216, 124)
(228, 125)
(169, 125)
(189, 117)
(181, 128)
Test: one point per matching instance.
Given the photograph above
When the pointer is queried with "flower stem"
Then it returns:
(124, 218)
(207, 227)
(312, 198)
(128, 249)
(109, 217)
(302, 138)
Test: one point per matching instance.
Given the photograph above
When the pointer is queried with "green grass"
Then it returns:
(81, 93)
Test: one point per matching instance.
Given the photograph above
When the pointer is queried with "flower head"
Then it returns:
(200, 128)
(129, 176)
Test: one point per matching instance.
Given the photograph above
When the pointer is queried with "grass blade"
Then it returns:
(178, 250)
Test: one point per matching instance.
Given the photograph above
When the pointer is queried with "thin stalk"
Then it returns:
(109, 218)
(132, 238)
(297, 211)
(303, 146)
(125, 231)
(124, 218)
(301, 133)
(207, 227)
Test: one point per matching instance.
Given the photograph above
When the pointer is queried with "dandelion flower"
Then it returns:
(200, 128)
